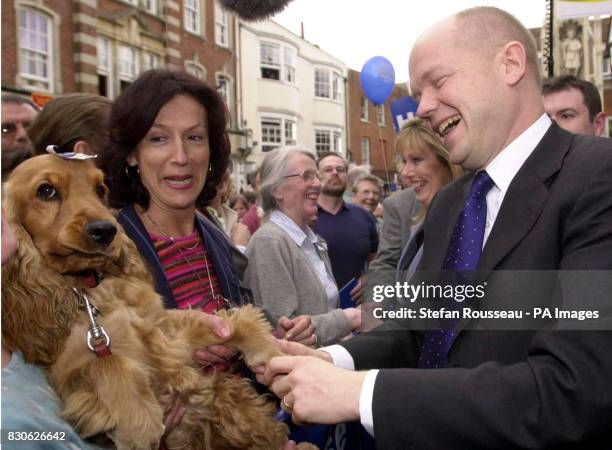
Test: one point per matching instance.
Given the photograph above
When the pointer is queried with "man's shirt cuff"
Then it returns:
(340, 356)
(365, 401)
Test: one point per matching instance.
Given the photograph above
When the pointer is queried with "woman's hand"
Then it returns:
(354, 316)
(216, 353)
(240, 234)
(299, 329)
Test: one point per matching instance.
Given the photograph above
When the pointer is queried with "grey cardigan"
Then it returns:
(284, 283)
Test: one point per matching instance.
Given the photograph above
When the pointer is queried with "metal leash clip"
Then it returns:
(98, 340)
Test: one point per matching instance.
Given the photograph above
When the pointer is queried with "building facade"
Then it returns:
(53, 47)
(291, 91)
(371, 135)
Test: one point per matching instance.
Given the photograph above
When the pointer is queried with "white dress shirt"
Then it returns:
(502, 171)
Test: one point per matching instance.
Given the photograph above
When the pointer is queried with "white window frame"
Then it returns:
(285, 133)
(380, 115)
(196, 70)
(289, 63)
(225, 92)
(337, 82)
(290, 130)
(271, 133)
(39, 57)
(282, 59)
(192, 16)
(122, 62)
(149, 5)
(150, 60)
(322, 86)
(365, 109)
(365, 151)
(328, 83)
(332, 135)
(270, 58)
(221, 26)
(104, 48)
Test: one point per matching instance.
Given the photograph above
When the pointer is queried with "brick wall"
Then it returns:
(359, 129)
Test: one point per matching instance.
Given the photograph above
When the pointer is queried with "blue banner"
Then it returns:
(403, 110)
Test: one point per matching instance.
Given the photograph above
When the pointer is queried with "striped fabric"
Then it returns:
(184, 262)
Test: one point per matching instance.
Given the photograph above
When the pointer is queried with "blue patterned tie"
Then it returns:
(463, 253)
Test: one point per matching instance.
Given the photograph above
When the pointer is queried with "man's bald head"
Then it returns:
(487, 29)
(475, 75)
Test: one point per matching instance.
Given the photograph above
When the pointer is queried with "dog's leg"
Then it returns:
(113, 395)
(250, 334)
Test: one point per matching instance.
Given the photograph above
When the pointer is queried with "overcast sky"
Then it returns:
(355, 30)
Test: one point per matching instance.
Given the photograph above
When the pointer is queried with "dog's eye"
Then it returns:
(47, 192)
(101, 192)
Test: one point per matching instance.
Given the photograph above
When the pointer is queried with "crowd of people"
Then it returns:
(483, 154)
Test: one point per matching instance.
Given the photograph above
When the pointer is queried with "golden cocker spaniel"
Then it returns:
(65, 232)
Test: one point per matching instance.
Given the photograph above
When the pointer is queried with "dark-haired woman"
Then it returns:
(168, 151)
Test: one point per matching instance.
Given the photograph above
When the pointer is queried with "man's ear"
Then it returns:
(600, 123)
(83, 147)
(514, 60)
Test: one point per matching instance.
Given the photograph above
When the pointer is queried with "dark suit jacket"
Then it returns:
(510, 389)
(398, 211)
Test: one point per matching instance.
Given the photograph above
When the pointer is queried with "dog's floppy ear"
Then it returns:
(25, 245)
(33, 296)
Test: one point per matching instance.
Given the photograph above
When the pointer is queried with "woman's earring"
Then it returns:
(132, 172)
(209, 168)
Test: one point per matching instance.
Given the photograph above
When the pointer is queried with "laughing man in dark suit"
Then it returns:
(547, 197)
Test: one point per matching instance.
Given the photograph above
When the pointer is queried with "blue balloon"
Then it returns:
(377, 79)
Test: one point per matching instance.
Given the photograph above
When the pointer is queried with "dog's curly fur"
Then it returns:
(48, 202)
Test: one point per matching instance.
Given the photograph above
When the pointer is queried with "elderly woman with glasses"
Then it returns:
(290, 273)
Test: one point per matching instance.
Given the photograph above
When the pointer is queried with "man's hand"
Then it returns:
(294, 349)
(314, 390)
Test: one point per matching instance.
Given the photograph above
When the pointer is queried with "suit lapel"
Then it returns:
(525, 199)
(523, 203)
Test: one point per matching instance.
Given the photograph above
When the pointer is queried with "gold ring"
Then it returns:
(285, 404)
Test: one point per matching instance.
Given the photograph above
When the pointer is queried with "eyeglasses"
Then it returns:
(330, 169)
(308, 175)
(10, 127)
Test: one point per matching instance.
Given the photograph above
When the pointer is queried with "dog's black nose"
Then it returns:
(101, 231)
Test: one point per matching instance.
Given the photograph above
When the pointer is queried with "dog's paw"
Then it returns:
(261, 355)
